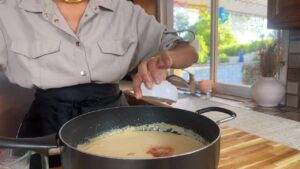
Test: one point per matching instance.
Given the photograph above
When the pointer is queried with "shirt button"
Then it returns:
(78, 43)
(46, 15)
(83, 73)
(56, 20)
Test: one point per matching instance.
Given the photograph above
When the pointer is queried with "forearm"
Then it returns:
(183, 55)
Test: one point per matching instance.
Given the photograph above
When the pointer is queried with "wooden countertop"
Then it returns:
(242, 150)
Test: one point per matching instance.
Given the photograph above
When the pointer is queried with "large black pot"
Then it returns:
(80, 129)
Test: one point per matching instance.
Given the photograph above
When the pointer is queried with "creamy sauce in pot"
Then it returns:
(133, 143)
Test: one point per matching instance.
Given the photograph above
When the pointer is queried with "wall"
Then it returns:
(14, 103)
(293, 84)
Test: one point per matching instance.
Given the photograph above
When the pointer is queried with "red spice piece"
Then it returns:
(161, 151)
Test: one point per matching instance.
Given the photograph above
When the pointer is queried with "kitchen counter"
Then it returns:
(271, 127)
(240, 149)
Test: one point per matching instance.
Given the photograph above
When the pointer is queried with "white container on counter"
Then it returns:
(268, 92)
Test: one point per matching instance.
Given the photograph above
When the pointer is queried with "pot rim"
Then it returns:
(138, 159)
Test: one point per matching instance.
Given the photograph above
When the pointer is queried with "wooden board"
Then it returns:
(241, 150)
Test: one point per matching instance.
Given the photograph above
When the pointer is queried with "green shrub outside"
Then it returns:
(223, 58)
(228, 44)
(234, 49)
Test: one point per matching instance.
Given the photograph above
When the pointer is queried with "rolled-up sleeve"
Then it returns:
(152, 36)
(3, 51)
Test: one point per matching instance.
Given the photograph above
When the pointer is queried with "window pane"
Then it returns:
(195, 15)
(242, 33)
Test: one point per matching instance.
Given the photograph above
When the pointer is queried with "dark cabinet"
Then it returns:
(283, 14)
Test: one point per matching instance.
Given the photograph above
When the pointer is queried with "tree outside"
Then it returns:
(231, 48)
(228, 43)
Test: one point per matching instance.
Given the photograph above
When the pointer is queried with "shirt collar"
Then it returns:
(39, 5)
(106, 4)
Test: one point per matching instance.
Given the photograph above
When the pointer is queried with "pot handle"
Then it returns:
(218, 109)
(47, 145)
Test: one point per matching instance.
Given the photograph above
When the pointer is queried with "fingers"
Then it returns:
(154, 71)
(158, 74)
(137, 81)
(145, 74)
(165, 61)
(151, 71)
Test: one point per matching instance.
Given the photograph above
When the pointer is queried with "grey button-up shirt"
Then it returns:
(39, 49)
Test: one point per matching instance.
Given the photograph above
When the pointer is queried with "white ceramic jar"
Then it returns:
(268, 92)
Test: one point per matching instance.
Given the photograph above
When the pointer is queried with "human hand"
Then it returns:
(152, 71)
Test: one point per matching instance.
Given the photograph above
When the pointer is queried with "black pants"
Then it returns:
(54, 107)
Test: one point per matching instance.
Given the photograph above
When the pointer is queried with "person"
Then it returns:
(75, 52)
(241, 56)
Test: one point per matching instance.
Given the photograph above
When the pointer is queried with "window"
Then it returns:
(229, 35)
(242, 33)
(195, 17)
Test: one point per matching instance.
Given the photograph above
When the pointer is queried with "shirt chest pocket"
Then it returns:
(117, 47)
(35, 58)
(36, 49)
